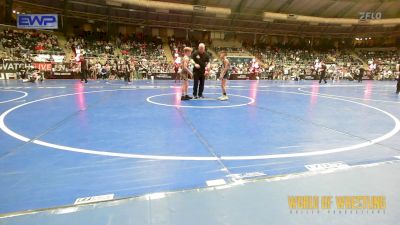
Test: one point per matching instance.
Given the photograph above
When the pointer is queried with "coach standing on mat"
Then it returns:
(200, 70)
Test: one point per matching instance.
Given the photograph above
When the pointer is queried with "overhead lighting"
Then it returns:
(113, 3)
(292, 16)
(162, 10)
(199, 8)
(14, 11)
(221, 15)
(389, 25)
(268, 20)
(174, 6)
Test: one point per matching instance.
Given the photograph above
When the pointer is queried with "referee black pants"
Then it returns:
(398, 86)
(198, 84)
(84, 75)
(322, 77)
(127, 76)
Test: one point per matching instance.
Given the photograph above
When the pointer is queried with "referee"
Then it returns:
(200, 70)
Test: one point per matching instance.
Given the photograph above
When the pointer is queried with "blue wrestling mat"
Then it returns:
(61, 140)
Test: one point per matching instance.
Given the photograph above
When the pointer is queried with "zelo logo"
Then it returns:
(370, 15)
(37, 21)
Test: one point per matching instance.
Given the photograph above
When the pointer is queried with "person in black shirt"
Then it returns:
(361, 74)
(322, 72)
(200, 70)
(84, 69)
(398, 85)
(126, 71)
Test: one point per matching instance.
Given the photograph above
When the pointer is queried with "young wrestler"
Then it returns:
(224, 74)
(186, 73)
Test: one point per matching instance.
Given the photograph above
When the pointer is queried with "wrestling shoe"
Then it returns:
(188, 97)
(224, 98)
(183, 98)
(221, 97)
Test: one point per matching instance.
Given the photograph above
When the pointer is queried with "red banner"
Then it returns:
(43, 66)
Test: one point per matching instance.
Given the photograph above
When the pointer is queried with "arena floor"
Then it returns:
(62, 140)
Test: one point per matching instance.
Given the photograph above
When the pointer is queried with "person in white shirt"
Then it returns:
(177, 67)
(98, 69)
(317, 67)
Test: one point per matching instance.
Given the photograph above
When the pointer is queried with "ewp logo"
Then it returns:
(37, 21)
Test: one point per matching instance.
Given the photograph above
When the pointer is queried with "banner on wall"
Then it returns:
(7, 76)
(62, 70)
(13, 66)
(37, 21)
(9, 69)
(42, 66)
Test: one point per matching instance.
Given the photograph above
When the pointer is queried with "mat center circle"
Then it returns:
(209, 102)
